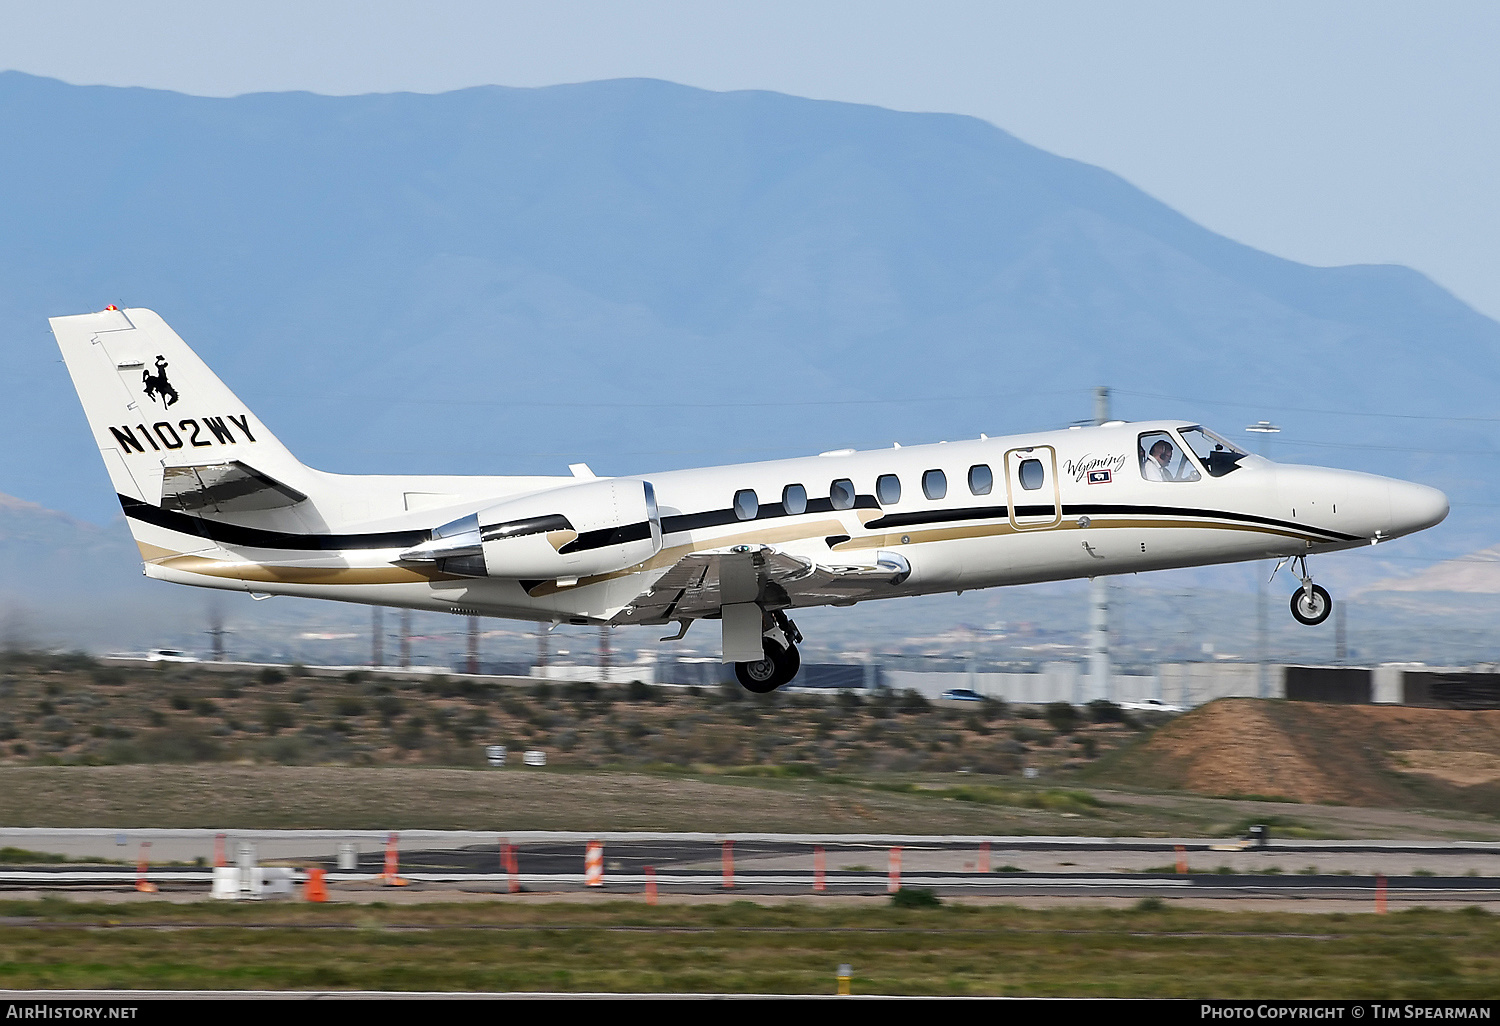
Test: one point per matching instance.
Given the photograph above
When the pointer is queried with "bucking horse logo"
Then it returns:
(158, 385)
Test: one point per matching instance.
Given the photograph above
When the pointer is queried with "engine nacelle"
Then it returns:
(575, 531)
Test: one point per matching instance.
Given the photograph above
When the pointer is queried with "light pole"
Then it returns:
(1265, 429)
(1099, 669)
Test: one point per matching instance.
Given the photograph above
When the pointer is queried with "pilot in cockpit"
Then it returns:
(1156, 465)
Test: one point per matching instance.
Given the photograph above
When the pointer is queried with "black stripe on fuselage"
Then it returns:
(1108, 509)
(680, 522)
(251, 537)
(255, 538)
(608, 536)
(940, 516)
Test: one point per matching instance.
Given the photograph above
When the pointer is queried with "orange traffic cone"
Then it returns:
(141, 883)
(390, 878)
(593, 865)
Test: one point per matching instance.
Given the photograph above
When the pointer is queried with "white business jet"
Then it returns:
(214, 500)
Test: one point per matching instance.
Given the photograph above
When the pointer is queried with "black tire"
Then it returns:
(793, 664)
(766, 675)
(1311, 611)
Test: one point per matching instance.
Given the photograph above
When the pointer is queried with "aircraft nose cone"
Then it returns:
(1416, 507)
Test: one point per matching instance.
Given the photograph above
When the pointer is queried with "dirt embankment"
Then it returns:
(1341, 754)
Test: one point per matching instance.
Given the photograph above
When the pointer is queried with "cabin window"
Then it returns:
(935, 484)
(980, 479)
(1031, 474)
(841, 494)
(1162, 458)
(746, 505)
(794, 499)
(1219, 456)
(888, 489)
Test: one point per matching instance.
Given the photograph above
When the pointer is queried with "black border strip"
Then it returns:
(768, 511)
(255, 538)
(608, 536)
(1108, 509)
(940, 516)
(251, 537)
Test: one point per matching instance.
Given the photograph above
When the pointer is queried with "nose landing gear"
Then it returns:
(1311, 603)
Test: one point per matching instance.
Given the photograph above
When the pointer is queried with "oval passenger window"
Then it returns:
(888, 489)
(935, 484)
(1031, 474)
(794, 499)
(980, 479)
(746, 505)
(841, 494)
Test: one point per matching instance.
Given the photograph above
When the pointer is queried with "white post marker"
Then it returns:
(227, 882)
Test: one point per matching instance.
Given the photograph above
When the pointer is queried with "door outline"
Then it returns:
(1013, 460)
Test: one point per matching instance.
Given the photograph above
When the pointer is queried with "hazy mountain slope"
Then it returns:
(68, 583)
(38, 546)
(646, 275)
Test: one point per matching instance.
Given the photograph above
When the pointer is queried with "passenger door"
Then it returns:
(1031, 488)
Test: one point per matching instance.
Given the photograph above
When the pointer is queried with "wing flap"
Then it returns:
(702, 583)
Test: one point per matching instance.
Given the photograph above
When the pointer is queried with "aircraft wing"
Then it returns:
(701, 583)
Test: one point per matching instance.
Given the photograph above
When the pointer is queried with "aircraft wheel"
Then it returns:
(766, 675)
(1311, 610)
(791, 665)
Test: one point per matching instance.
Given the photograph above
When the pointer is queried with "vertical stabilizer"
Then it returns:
(155, 408)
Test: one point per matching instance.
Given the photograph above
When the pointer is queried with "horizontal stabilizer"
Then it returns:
(227, 487)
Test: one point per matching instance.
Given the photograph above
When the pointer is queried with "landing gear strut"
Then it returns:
(781, 661)
(1311, 603)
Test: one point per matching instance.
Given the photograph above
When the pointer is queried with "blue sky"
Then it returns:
(1325, 132)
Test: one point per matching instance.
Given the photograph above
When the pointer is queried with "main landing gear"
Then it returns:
(1311, 603)
(781, 661)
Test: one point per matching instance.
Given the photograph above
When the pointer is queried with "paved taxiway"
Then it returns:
(771, 864)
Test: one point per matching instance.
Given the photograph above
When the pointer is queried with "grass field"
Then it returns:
(397, 798)
(745, 948)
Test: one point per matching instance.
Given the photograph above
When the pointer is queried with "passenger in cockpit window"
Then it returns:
(1155, 466)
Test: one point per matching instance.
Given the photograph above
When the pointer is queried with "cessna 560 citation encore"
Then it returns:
(214, 500)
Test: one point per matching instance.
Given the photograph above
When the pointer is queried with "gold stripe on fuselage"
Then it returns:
(263, 573)
(668, 556)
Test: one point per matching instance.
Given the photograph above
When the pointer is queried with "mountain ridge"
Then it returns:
(646, 276)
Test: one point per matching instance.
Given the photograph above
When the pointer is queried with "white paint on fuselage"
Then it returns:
(1173, 523)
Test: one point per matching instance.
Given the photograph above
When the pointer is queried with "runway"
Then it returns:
(472, 862)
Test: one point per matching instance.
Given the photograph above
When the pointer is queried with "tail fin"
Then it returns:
(171, 433)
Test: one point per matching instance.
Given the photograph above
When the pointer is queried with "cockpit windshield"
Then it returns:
(1219, 456)
(1163, 455)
